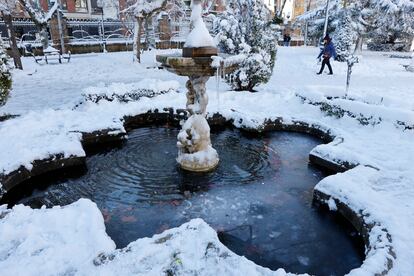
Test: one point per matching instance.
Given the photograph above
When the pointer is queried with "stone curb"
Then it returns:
(359, 221)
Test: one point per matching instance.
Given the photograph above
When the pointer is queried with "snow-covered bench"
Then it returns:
(49, 53)
(52, 53)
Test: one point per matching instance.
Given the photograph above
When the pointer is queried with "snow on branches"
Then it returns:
(373, 19)
(244, 29)
(40, 18)
(38, 15)
(344, 37)
(7, 6)
(143, 8)
(5, 75)
(142, 11)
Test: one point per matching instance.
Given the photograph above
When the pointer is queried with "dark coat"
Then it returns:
(328, 51)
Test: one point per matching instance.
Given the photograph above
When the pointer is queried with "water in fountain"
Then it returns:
(259, 198)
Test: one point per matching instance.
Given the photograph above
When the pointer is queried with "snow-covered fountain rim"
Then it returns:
(360, 221)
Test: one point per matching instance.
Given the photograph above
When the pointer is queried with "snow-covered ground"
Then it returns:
(376, 79)
(381, 187)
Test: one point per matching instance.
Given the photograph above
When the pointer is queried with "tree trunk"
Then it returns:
(147, 33)
(282, 8)
(41, 26)
(358, 45)
(44, 35)
(412, 55)
(137, 40)
(8, 20)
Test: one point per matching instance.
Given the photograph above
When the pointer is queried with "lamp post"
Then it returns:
(325, 28)
(307, 8)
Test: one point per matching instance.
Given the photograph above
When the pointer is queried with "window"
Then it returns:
(81, 6)
(64, 4)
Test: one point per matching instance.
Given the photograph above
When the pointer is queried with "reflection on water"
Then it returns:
(258, 199)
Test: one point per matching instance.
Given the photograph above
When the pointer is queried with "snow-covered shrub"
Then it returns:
(344, 37)
(244, 29)
(5, 75)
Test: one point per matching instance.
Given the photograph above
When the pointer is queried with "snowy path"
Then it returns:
(376, 79)
(381, 187)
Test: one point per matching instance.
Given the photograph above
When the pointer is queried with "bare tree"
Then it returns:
(282, 8)
(7, 7)
(143, 11)
(40, 18)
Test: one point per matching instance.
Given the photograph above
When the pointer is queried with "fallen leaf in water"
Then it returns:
(106, 215)
(163, 228)
(128, 219)
(175, 202)
(252, 249)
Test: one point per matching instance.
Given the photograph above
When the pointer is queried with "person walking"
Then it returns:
(327, 52)
(286, 40)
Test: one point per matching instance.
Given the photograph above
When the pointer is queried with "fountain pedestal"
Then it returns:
(195, 152)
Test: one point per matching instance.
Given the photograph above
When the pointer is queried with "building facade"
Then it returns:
(86, 23)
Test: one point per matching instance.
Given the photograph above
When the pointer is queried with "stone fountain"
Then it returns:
(195, 150)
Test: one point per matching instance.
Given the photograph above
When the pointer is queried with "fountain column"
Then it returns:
(197, 98)
(195, 152)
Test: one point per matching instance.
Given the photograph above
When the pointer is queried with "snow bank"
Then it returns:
(154, 85)
(71, 240)
(191, 249)
(36, 136)
(57, 241)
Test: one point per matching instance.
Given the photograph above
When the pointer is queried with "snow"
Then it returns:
(141, 8)
(71, 240)
(199, 35)
(383, 189)
(124, 88)
(52, 132)
(41, 239)
(380, 187)
(7, 6)
(50, 49)
(39, 87)
(195, 145)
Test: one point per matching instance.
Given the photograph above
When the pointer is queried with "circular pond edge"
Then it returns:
(94, 141)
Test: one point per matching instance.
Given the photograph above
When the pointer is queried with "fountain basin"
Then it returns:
(259, 198)
(192, 66)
